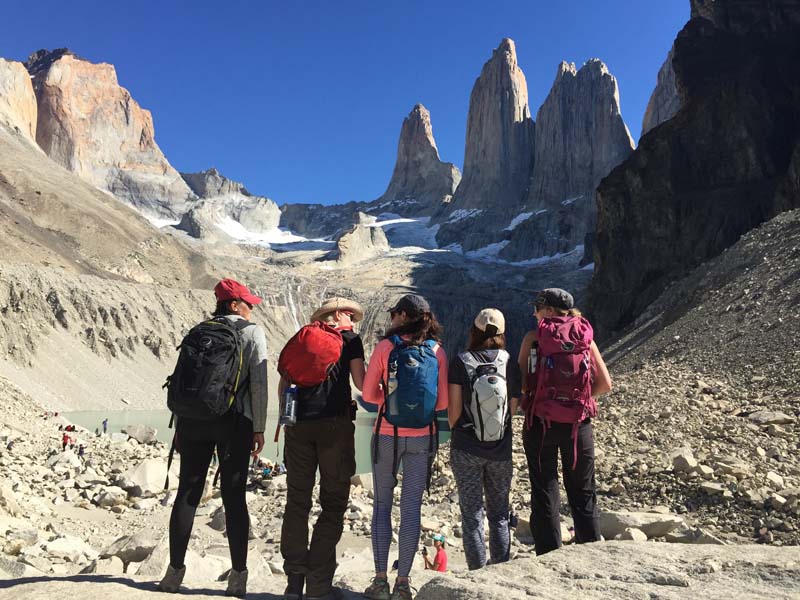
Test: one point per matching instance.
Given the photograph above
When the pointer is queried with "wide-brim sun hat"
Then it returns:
(333, 304)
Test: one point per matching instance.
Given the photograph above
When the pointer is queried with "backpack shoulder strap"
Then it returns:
(430, 344)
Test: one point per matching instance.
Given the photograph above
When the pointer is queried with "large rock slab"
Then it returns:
(150, 475)
(614, 570)
(144, 434)
(133, 548)
(613, 523)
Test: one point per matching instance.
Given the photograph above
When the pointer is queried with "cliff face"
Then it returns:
(17, 100)
(580, 137)
(664, 101)
(727, 161)
(90, 125)
(420, 180)
(499, 152)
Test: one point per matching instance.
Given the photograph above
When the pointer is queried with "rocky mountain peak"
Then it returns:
(92, 126)
(420, 181)
(210, 183)
(580, 137)
(17, 99)
(664, 101)
(41, 60)
(499, 150)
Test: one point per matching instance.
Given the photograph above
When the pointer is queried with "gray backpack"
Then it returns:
(487, 407)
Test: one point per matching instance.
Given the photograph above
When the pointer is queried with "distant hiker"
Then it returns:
(96, 432)
(564, 373)
(81, 451)
(439, 562)
(485, 387)
(227, 414)
(407, 379)
(10, 445)
(105, 425)
(64, 441)
(320, 360)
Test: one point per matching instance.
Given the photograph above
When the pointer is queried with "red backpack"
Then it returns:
(309, 356)
(563, 374)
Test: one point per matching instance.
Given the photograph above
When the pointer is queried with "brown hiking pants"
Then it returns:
(327, 444)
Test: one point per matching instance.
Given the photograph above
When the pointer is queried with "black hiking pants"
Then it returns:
(326, 444)
(542, 446)
(196, 443)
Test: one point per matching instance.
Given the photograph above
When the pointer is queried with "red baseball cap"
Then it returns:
(228, 289)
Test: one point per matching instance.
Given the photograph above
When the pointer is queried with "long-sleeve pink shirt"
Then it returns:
(377, 373)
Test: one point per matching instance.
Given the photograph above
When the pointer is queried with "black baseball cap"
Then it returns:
(411, 304)
(555, 297)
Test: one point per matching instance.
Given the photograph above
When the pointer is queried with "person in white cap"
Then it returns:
(484, 389)
(322, 439)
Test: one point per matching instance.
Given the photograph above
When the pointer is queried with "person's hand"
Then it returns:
(258, 444)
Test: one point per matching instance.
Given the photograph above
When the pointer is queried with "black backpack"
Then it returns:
(208, 374)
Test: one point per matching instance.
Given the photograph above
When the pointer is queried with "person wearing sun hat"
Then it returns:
(322, 439)
(235, 438)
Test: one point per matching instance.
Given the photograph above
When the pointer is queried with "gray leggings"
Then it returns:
(412, 454)
(474, 476)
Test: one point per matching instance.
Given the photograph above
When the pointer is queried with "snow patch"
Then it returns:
(569, 201)
(488, 253)
(461, 214)
(402, 232)
(589, 267)
(543, 260)
(156, 222)
(237, 231)
(521, 217)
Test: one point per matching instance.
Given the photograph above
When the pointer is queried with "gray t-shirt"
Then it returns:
(254, 397)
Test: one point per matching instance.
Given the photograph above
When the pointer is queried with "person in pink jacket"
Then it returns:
(415, 339)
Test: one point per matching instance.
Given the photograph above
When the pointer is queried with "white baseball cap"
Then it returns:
(491, 317)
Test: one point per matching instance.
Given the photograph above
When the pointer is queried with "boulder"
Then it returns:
(364, 480)
(9, 503)
(633, 534)
(694, 535)
(770, 417)
(360, 243)
(144, 434)
(133, 548)
(70, 548)
(105, 566)
(150, 474)
(683, 461)
(613, 523)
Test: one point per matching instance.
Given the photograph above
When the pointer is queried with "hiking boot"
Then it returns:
(171, 582)
(378, 589)
(294, 587)
(402, 591)
(237, 584)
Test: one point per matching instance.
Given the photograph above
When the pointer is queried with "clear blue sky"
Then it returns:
(302, 101)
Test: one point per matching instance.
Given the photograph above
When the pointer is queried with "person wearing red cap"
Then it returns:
(236, 440)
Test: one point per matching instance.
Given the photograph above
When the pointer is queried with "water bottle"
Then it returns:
(391, 388)
(289, 407)
(532, 358)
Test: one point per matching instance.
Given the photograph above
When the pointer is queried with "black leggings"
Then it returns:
(196, 444)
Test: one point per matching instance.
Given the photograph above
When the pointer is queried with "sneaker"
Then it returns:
(294, 586)
(378, 589)
(402, 591)
(171, 582)
(237, 584)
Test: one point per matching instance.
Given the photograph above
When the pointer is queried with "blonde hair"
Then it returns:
(572, 312)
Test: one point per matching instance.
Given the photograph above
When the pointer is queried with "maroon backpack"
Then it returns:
(563, 374)
(309, 356)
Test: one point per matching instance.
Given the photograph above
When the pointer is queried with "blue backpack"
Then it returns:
(410, 392)
(412, 385)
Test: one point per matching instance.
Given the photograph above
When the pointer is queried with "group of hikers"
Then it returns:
(218, 393)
